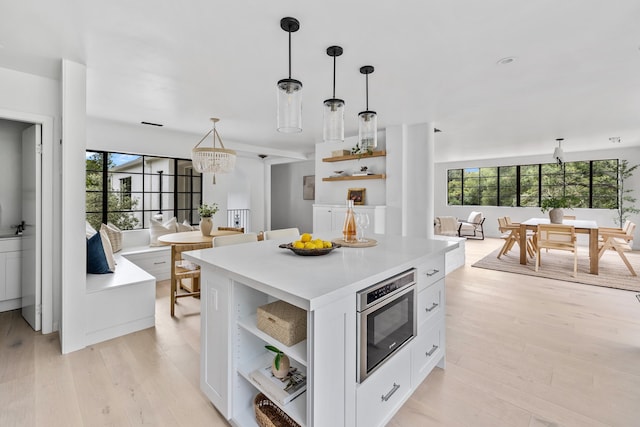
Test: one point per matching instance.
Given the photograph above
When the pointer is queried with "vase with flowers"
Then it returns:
(206, 211)
(555, 206)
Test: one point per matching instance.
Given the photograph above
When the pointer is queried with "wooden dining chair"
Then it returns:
(511, 235)
(183, 270)
(234, 239)
(557, 236)
(618, 240)
(282, 233)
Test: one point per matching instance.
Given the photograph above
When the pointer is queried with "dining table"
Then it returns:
(187, 237)
(581, 226)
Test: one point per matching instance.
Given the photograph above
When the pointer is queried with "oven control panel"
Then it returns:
(386, 288)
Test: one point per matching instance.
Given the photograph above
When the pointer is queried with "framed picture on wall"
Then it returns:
(357, 195)
(309, 187)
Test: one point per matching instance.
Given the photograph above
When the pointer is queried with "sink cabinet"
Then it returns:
(10, 274)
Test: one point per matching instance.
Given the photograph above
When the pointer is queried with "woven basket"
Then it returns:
(269, 415)
(283, 321)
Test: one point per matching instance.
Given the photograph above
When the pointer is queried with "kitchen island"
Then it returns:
(238, 279)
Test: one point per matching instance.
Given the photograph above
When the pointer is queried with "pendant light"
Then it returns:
(367, 120)
(558, 154)
(213, 159)
(333, 129)
(289, 90)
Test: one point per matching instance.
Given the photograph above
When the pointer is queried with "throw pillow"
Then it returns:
(89, 230)
(108, 251)
(96, 259)
(185, 226)
(114, 234)
(158, 229)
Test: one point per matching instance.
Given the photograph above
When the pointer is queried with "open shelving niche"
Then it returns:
(381, 153)
(250, 354)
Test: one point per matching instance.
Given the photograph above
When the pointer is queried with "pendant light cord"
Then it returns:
(334, 77)
(367, 80)
(289, 54)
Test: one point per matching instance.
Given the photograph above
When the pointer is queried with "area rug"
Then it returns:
(558, 265)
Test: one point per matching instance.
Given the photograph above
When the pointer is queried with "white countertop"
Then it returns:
(313, 281)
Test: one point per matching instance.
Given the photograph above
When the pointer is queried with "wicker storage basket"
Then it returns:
(283, 321)
(269, 415)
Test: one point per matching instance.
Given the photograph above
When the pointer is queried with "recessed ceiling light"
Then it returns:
(507, 60)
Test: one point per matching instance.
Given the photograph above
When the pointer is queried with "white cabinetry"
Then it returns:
(330, 218)
(10, 273)
(215, 340)
(155, 261)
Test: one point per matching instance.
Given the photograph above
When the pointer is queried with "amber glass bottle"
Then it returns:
(349, 228)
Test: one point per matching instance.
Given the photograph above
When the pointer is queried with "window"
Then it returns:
(130, 189)
(594, 183)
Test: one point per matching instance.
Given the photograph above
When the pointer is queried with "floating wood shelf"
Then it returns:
(353, 178)
(355, 157)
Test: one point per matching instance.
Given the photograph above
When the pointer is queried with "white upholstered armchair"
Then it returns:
(472, 228)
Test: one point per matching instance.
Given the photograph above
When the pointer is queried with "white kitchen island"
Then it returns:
(237, 279)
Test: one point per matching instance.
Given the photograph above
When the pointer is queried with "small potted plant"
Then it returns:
(206, 211)
(555, 205)
(280, 366)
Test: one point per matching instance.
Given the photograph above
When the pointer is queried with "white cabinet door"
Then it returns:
(322, 219)
(215, 342)
(13, 275)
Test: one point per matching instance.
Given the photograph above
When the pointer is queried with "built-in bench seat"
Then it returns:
(155, 260)
(120, 302)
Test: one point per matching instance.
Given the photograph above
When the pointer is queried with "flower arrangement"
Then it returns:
(207, 210)
(564, 202)
(361, 151)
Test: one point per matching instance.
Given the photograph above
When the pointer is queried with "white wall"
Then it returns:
(604, 217)
(35, 99)
(288, 209)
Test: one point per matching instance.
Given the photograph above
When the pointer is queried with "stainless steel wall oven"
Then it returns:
(386, 320)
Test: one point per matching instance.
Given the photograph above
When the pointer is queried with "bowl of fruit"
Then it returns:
(308, 246)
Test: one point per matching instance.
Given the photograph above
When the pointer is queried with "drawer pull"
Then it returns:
(433, 350)
(393, 390)
(433, 307)
(432, 272)
(159, 262)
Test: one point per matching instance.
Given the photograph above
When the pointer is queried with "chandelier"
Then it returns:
(213, 159)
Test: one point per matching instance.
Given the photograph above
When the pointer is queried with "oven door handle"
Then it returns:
(393, 390)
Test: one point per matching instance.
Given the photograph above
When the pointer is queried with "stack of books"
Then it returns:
(282, 390)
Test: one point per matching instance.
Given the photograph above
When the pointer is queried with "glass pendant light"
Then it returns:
(558, 154)
(367, 120)
(333, 129)
(289, 90)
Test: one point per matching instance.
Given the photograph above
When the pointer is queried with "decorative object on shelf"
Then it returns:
(206, 211)
(333, 124)
(281, 364)
(338, 153)
(283, 321)
(555, 206)
(558, 154)
(268, 414)
(338, 173)
(359, 151)
(281, 389)
(356, 195)
(349, 227)
(367, 120)
(309, 187)
(289, 90)
(213, 159)
(364, 171)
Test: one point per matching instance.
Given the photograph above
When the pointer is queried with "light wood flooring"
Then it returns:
(521, 351)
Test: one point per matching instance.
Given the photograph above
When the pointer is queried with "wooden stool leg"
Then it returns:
(173, 296)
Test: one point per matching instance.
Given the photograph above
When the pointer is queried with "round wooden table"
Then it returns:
(192, 237)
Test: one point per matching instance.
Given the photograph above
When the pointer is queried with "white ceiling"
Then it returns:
(576, 73)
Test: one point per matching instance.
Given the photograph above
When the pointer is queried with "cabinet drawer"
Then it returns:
(430, 272)
(430, 303)
(379, 397)
(427, 351)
